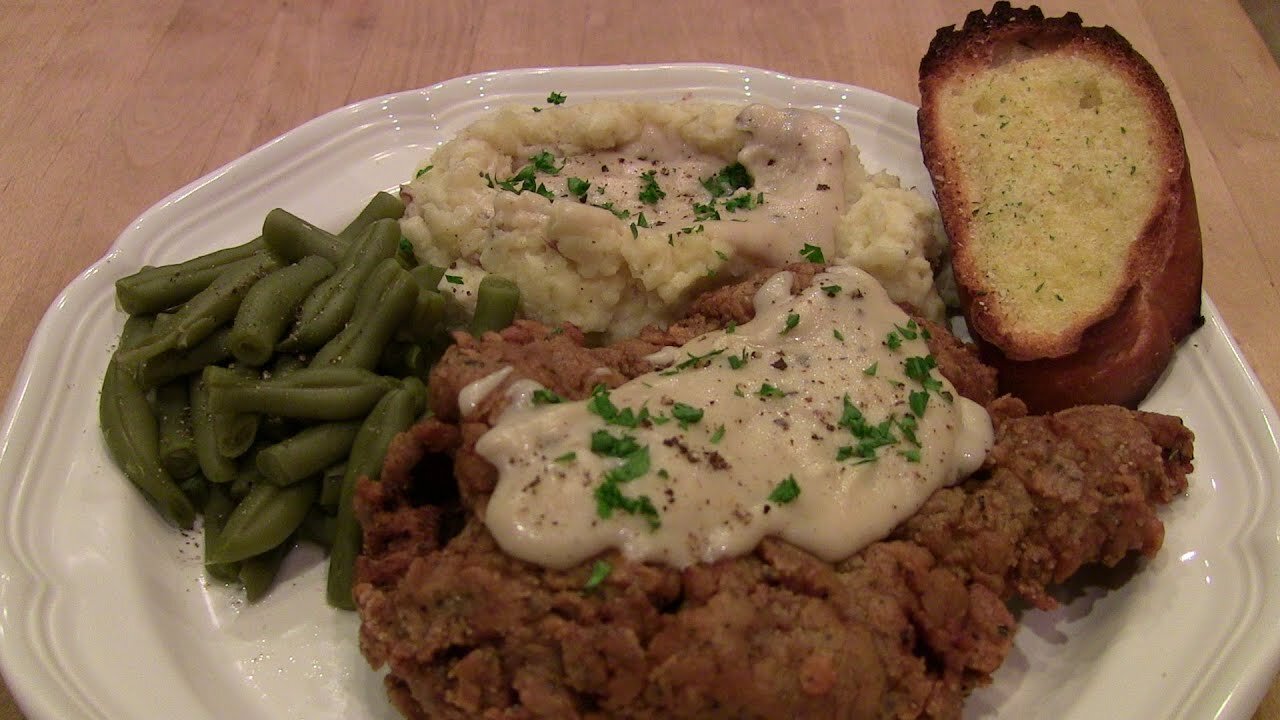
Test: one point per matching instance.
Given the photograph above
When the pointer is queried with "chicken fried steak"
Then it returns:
(903, 628)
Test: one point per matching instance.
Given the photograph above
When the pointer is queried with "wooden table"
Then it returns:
(105, 108)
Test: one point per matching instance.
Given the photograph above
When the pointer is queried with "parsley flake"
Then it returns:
(793, 319)
(543, 396)
(650, 193)
(453, 279)
(728, 180)
(599, 571)
(555, 98)
(578, 187)
(813, 254)
(831, 290)
(686, 414)
(786, 491)
(767, 391)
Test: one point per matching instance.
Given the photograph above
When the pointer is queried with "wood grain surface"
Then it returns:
(106, 107)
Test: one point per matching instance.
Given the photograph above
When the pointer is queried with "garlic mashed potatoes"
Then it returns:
(613, 215)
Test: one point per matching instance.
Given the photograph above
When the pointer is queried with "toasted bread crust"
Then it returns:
(1116, 353)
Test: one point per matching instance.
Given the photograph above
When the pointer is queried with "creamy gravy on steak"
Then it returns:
(821, 421)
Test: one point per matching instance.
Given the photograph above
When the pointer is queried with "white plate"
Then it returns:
(104, 612)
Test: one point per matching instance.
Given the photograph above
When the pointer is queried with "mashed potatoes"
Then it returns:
(612, 215)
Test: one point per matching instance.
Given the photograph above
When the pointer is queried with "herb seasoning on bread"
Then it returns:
(1062, 177)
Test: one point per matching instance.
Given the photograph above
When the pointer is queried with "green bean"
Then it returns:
(270, 305)
(404, 359)
(311, 393)
(318, 527)
(286, 363)
(218, 468)
(330, 304)
(174, 364)
(427, 276)
(212, 307)
(216, 511)
(331, 485)
(264, 518)
(307, 453)
(428, 316)
(396, 411)
(132, 436)
(177, 441)
(234, 432)
(383, 304)
(293, 238)
(153, 289)
(196, 488)
(259, 572)
(247, 476)
(383, 206)
(496, 301)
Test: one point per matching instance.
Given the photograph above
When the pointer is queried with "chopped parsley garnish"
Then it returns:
(599, 572)
(731, 328)
(793, 319)
(620, 214)
(543, 396)
(453, 279)
(870, 437)
(642, 221)
(831, 290)
(813, 254)
(871, 369)
(601, 405)
(786, 491)
(911, 454)
(837, 335)
(728, 180)
(737, 362)
(633, 466)
(555, 98)
(650, 193)
(705, 211)
(567, 457)
(720, 254)
(746, 201)
(423, 171)
(578, 187)
(718, 435)
(609, 496)
(545, 162)
(526, 179)
(767, 391)
(919, 400)
(686, 414)
(912, 331)
(606, 444)
(918, 368)
(693, 361)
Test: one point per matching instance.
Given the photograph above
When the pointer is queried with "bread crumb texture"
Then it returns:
(1059, 170)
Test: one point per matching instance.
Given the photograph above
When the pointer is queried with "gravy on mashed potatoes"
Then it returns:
(613, 215)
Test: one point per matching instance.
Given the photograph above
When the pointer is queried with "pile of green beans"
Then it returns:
(254, 386)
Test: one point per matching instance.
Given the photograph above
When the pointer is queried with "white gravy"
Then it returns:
(775, 452)
(795, 158)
